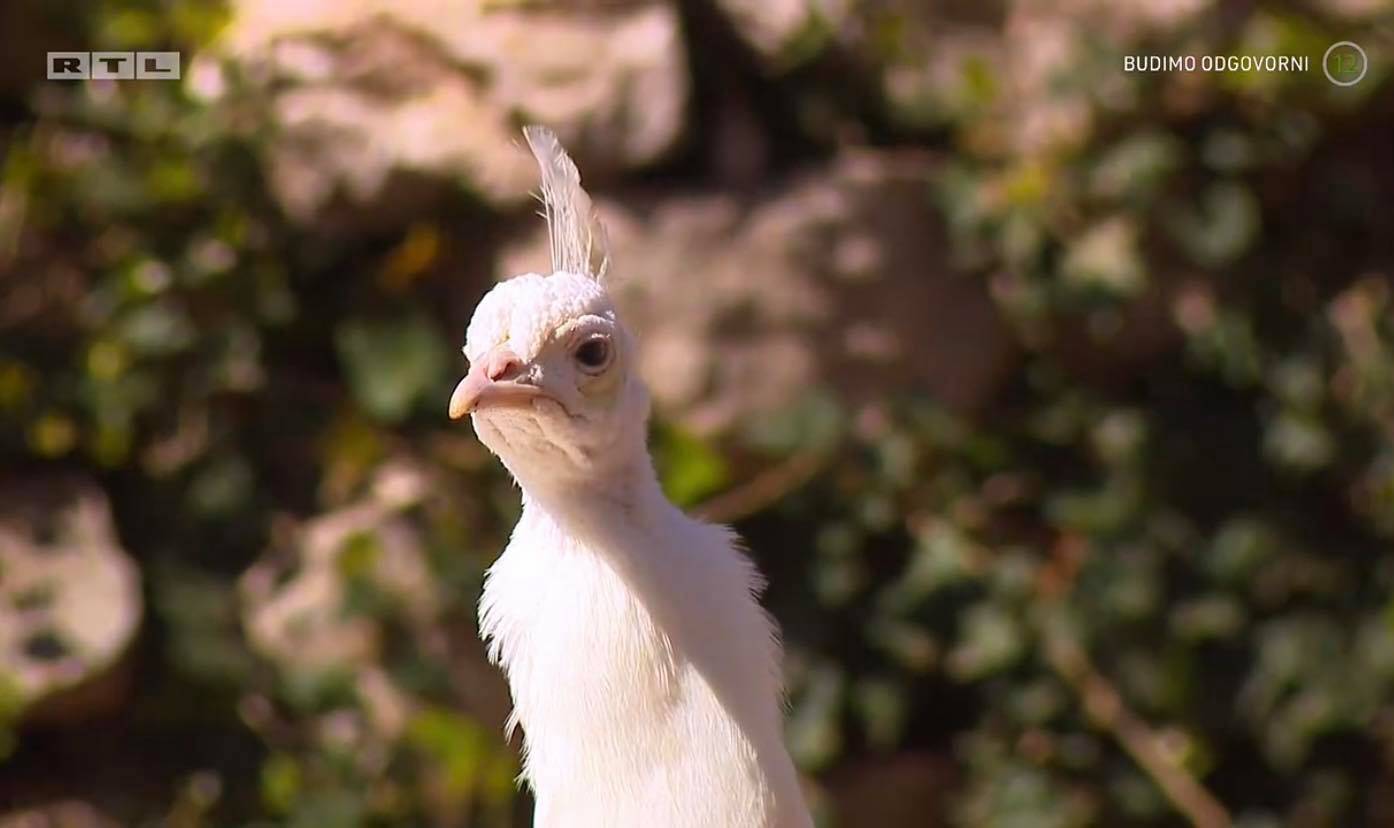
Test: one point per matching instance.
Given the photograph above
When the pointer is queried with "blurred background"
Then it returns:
(1056, 401)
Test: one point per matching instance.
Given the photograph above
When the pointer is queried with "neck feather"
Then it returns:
(626, 498)
(660, 606)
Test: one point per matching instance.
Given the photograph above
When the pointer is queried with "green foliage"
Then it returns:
(1188, 501)
(393, 366)
(690, 469)
(464, 753)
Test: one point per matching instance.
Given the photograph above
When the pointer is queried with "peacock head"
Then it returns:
(552, 387)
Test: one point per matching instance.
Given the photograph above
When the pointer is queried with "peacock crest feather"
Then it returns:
(578, 239)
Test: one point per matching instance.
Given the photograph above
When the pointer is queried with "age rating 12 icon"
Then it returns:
(1345, 63)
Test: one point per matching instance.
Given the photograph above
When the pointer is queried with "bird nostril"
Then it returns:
(503, 365)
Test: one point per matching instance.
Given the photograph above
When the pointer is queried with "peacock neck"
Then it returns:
(662, 607)
(608, 511)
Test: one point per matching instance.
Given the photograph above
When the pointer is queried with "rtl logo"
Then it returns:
(113, 66)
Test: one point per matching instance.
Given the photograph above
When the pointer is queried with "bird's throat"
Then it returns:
(626, 499)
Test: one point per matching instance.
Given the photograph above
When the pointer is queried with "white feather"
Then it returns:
(576, 233)
(644, 672)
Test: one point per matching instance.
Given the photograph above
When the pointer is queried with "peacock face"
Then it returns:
(551, 387)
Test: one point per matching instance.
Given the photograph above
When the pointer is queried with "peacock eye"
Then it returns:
(593, 355)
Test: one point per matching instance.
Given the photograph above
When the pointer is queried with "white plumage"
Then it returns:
(573, 230)
(644, 673)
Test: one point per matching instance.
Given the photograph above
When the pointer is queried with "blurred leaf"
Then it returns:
(1103, 511)
(359, 556)
(1298, 442)
(130, 29)
(393, 366)
(942, 557)
(689, 468)
(156, 329)
(329, 809)
(1208, 617)
(12, 702)
(991, 640)
(813, 732)
(1106, 258)
(319, 690)
(1228, 151)
(883, 706)
(1221, 227)
(1136, 168)
(912, 647)
(281, 783)
(52, 435)
(201, 612)
(1240, 548)
(412, 258)
(221, 487)
(813, 424)
(461, 746)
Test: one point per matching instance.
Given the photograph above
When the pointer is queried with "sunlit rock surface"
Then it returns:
(363, 91)
(70, 600)
(782, 31)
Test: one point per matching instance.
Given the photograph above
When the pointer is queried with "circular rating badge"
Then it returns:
(1345, 63)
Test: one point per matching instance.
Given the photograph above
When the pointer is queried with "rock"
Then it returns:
(70, 599)
(839, 278)
(1005, 68)
(369, 90)
(775, 28)
(295, 599)
(297, 608)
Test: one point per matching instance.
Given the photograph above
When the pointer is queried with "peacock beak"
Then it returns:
(493, 380)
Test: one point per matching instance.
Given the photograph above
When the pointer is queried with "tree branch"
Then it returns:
(1104, 705)
(761, 491)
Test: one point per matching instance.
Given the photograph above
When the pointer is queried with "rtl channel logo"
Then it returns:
(113, 66)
